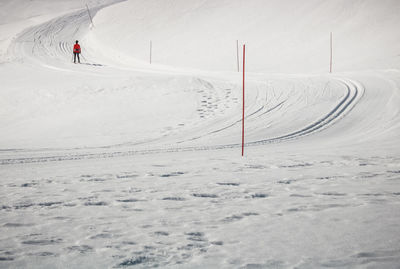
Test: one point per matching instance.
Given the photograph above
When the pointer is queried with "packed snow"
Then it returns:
(116, 162)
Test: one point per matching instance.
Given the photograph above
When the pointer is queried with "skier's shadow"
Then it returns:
(93, 64)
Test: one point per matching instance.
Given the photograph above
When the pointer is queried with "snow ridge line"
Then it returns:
(353, 94)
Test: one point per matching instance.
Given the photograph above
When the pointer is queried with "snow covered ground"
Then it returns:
(117, 163)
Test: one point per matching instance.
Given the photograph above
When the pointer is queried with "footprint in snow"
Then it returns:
(205, 195)
(228, 184)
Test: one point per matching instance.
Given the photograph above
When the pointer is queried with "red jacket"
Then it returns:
(77, 48)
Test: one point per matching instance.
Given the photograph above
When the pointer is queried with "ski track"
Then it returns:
(49, 40)
(208, 211)
(345, 105)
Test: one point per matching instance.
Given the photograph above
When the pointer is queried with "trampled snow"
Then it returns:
(116, 163)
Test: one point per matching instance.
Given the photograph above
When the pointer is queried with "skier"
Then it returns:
(77, 51)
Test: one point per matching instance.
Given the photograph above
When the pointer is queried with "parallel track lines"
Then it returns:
(354, 93)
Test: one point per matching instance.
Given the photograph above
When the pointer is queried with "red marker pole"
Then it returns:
(244, 60)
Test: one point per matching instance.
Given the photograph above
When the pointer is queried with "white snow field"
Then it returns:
(118, 163)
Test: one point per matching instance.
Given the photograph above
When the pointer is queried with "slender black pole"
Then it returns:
(90, 16)
(237, 55)
(330, 64)
(151, 48)
(244, 61)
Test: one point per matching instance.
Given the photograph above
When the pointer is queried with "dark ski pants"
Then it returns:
(76, 55)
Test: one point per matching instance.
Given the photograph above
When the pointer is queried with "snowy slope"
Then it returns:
(93, 115)
(117, 163)
(282, 36)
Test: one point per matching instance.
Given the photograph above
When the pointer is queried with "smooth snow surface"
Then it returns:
(281, 36)
(116, 163)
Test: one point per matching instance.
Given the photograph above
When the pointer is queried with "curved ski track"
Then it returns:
(45, 37)
(354, 93)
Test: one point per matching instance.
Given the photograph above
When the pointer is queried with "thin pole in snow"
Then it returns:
(330, 64)
(237, 55)
(90, 16)
(151, 47)
(244, 60)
